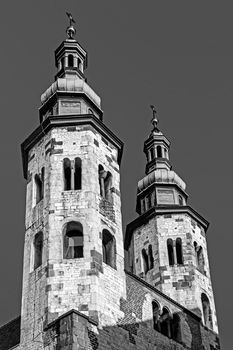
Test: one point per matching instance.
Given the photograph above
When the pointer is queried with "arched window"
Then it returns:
(195, 248)
(176, 328)
(105, 182)
(67, 174)
(70, 60)
(165, 153)
(149, 200)
(159, 152)
(207, 314)
(79, 64)
(170, 252)
(108, 186)
(101, 180)
(156, 312)
(38, 249)
(77, 174)
(180, 200)
(39, 183)
(63, 62)
(199, 257)
(150, 257)
(152, 153)
(145, 261)
(143, 205)
(73, 240)
(179, 253)
(165, 323)
(109, 248)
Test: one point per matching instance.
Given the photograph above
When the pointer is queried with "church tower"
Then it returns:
(73, 241)
(166, 244)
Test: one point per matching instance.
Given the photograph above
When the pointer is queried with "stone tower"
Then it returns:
(166, 244)
(76, 293)
(73, 253)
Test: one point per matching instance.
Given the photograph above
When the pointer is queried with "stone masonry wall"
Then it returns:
(81, 283)
(34, 298)
(133, 331)
(186, 282)
(85, 284)
(183, 283)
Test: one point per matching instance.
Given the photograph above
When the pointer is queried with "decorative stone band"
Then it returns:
(161, 176)
(71, 85)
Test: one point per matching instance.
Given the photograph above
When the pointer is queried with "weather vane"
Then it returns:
(70, 30)
(154, 120)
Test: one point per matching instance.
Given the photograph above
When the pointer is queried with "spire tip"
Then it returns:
(70, 30)
(154, 120)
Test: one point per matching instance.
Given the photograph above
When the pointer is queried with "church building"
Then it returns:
(87, 285)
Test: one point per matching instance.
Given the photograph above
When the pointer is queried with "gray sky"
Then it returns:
(174, 54)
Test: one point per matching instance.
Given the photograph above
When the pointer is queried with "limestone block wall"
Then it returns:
(184, 283)
(34, 298)
(85, 284)
(144, 236)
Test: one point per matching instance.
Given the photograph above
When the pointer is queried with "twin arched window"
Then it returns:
(158, 151)
(73, 243)
(73, 240)
(175, 252)
(72, 174)
(70, 62)
(165, 323)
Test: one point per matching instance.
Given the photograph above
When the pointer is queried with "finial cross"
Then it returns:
(70, 30)
(70, 18)
(154, 119)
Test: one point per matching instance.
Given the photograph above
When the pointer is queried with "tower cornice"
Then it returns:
(162, 210)
(68, 120)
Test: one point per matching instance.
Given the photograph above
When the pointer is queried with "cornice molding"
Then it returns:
(162, 210)
(68, 120)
